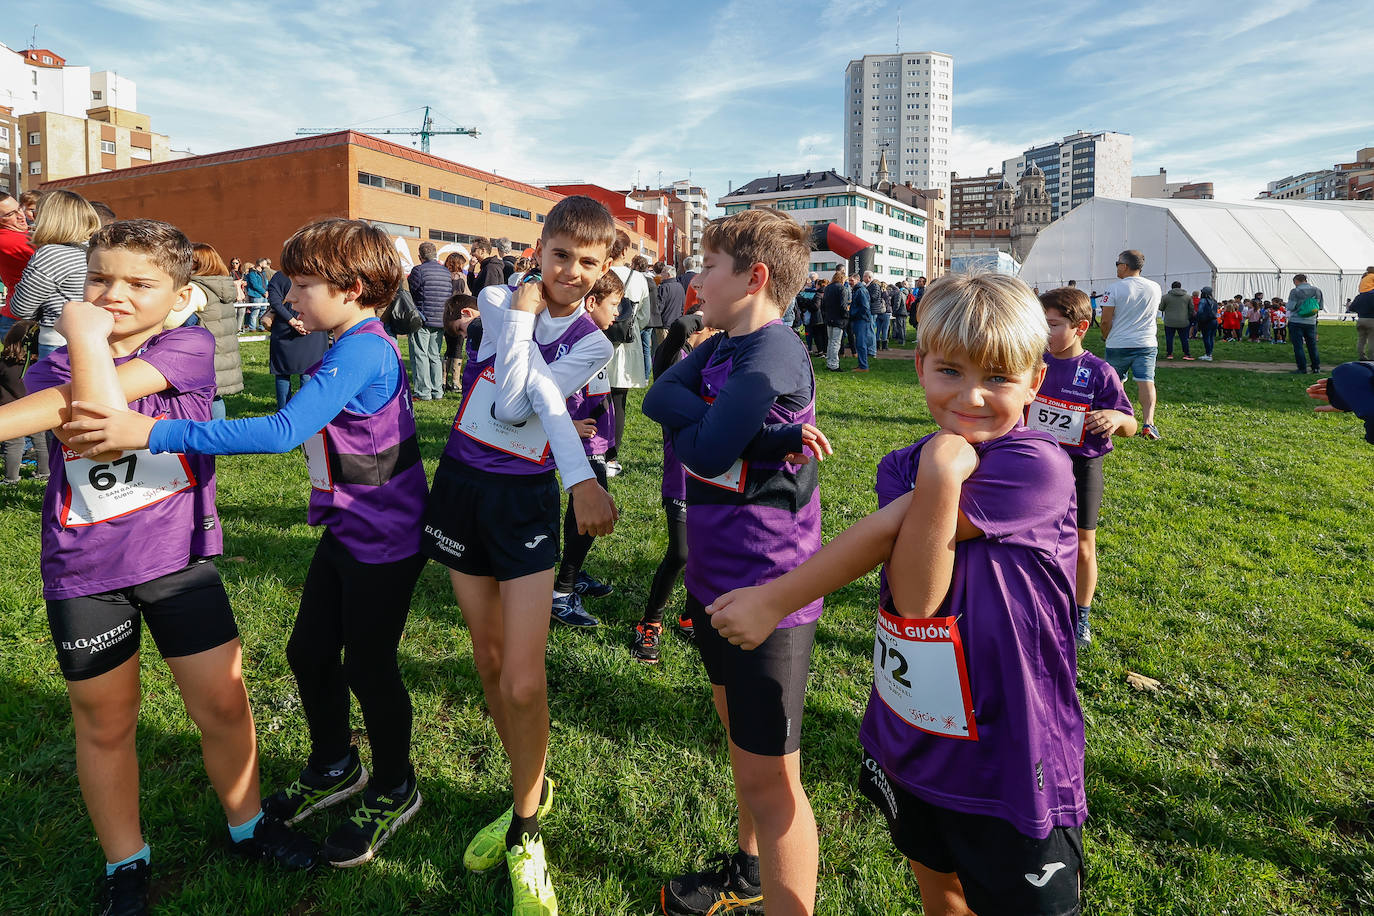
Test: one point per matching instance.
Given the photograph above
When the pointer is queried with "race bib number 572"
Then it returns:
(919, 672)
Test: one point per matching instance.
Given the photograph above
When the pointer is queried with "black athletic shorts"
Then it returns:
(484, 524)
(765, 688)
(1087, 480)
(187, 612)
(1004, 872)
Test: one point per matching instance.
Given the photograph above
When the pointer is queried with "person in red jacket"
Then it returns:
(15, 251)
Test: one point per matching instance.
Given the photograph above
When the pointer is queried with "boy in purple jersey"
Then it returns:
(492, 516)
(973, 735)
(594, 418)
(1082, 403)
(128, 537)
(354, 420)
(739, 411)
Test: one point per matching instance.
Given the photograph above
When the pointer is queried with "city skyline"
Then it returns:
(633, 94)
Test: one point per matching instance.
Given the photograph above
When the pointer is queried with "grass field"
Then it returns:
(1236, 558)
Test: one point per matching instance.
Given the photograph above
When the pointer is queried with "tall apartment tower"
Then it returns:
(1078, 168)
(901, 104)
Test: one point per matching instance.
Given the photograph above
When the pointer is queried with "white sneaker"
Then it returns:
(613, 468)
(1207, 358)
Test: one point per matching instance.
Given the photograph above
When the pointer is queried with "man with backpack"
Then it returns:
(1304, 304)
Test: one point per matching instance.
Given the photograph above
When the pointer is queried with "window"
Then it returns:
(35, 138)
(390, 184)
(872, 227)
(457, 199)
(95, 94)
(107, 146)
(35, 168)
(538, 218)
(443, 235)
(797, 203)
(4, 133)
(510, 211)
(412, 232)
(735, 208)
(47, 59)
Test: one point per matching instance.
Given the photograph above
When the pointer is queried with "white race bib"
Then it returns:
(919, 672)
(477, 420)
(316, 450)
(99, 492)
(1061, 419)
(600, 384)
(732, 479)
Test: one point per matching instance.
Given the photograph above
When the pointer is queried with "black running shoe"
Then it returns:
(588, 587)
(273, 841)
(371, 825)
(125, 893)
(715, 891)
(314, 790)
(645, 645)
(685, 626)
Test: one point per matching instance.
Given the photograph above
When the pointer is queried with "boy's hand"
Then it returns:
(585, 428)
(529, 297)
(592, 505)
(106, 430)
(815, 440)
(1103, 422)
(950, 453)
(298, 326)
(745, 616)
(1317, 392)
(84, 321)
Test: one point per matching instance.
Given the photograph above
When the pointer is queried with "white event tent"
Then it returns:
(1234, 247)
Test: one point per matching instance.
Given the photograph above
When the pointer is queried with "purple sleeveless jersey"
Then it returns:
(766, 524)
(161, 537)
(674, 477)
(463, 448)
(378, 489)
(583, 406)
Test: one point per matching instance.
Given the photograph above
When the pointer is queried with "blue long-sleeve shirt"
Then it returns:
(360, 373)
(859, 307)
(766, 366)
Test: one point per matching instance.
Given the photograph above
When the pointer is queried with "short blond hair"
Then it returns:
(64, 218)
(764, 237)
(993, 319)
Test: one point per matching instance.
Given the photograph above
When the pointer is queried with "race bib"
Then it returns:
(316, 450)
(600, 384)
(732, 479)
(98, 492)
(919, 672)
(1061, 419)
(477, 420)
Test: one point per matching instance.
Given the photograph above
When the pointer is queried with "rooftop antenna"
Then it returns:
(33, 40)
(899, 30)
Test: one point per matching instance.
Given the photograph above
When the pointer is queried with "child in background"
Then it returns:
(683, 335)
(740, 411)
(973, 735)
(1230, 321)
(1082, 404)
(128, 538)
(592, 414)
(19, 349)
(1278, 317)
(354, 420)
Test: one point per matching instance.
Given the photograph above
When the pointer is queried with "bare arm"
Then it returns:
(51, 407)
(1108, 313)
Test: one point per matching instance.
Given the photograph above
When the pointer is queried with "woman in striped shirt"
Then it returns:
(56, 274)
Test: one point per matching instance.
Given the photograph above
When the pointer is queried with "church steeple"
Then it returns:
(884, 176)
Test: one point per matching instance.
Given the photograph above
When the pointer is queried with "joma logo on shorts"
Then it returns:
(446, 543)
(102, 641)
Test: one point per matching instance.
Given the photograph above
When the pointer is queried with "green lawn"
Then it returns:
(1236, 558)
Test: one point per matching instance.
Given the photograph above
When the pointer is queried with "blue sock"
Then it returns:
(245, 830)
(145, 854)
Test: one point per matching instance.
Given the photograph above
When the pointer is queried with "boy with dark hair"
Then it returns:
(493, 513)
(1082, 404)
(127, 538)
(739, 411)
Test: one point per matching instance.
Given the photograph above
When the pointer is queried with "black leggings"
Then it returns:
(576, 546)
(673, 562)
(618, 396)
(358, 610)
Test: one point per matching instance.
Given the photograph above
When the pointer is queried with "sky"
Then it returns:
(724, 91)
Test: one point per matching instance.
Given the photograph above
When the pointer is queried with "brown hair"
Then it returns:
(609, 286)
(342, 252)
(640, 263)
(31, 198)
(620, 245)
(454, 305)
(585, 221)
(16, 348)
(455, 262)
(207, 261)
(764, 237)
(1070, 302)
(164, 244)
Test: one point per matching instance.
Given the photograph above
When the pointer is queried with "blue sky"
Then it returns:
(1238, 93)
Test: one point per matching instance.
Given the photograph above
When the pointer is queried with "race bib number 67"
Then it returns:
(99, 491)
(919, 672)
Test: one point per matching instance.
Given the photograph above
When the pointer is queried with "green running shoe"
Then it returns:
(313, 790)
(531, 891)
(488, 847)
(372, 824)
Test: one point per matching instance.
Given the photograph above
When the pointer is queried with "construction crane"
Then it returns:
(424, 131)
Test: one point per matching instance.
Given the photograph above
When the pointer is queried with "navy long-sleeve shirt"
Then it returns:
(360, 373)
(766, 366)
